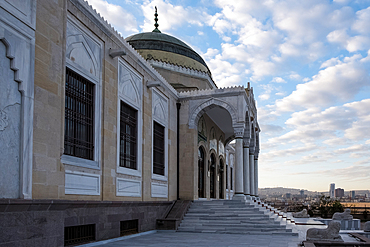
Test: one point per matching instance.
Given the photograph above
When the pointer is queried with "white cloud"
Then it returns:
(113, 14)
(335, 83)
(331, 62)
(294, 76)
(278, 80)
(171, 16)
(362, 23)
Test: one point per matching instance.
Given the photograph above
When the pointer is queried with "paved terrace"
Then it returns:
(172, 238)
(262, 239)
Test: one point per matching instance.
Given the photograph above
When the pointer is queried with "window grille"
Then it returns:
(158, 149)
(74, 235)
(129, 227)
(79, 116)
(128, 135)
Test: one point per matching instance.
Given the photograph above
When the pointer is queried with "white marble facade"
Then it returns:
(17, 49)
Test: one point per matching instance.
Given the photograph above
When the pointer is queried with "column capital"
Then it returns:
(239, 132)
(246, 142)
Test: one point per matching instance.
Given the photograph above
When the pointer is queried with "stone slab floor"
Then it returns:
(172, 238)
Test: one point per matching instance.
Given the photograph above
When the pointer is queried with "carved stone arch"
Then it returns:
(159, 110)
(129, 84)
(79, 42)
(207, 105)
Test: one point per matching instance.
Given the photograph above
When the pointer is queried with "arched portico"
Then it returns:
(228, 111)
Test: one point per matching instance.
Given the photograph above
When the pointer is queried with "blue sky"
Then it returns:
(308, 62)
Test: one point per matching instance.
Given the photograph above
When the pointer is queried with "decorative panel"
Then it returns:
(80, 183)
(82, 51)
(10, 120)
(129, 85)
(24, 10)
(160, 108)
(128, 187)
(159, 189)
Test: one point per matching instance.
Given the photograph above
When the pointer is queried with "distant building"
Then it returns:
(339, 193)
(352, 194)
(288, 195)
(301, 193)
(332, 190)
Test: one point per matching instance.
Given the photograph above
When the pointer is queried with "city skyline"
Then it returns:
(309, 65)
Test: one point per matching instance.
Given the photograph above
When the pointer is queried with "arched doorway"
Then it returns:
(200, 172)
(221, 180)
(212, 177)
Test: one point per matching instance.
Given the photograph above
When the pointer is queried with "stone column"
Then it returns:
(256, 175)
(246, 175)
(239, 188)
(251, 173)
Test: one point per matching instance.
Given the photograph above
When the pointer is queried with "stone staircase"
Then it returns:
(231, 216)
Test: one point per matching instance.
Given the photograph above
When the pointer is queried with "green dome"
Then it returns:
(160, 46)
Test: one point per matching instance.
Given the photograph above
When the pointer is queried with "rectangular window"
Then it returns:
(128, 136)
(79, 116)
(158, 149)
(75, 235)
(129, 227)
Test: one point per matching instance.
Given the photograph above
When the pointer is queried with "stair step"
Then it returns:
(227, 216)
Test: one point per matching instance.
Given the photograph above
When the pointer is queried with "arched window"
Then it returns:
(201, 172)
(212, 177)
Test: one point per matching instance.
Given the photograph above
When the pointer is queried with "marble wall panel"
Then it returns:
(10, 120)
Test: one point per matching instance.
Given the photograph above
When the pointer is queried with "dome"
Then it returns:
(166, 48)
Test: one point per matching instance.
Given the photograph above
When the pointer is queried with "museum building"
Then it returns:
(104, 133)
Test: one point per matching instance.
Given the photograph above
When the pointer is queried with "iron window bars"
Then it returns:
(79, 116)
(158, 149)
(128, 135)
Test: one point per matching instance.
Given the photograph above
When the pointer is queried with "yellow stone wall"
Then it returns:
(50, 63)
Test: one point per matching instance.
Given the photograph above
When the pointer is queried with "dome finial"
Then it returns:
(156, 21)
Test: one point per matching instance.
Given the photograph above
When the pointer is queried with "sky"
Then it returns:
(308, 62)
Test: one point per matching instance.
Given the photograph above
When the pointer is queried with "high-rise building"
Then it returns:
(352, 194)
(339, 193)
(332, 190)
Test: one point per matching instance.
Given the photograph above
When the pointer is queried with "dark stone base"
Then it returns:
(42, 222)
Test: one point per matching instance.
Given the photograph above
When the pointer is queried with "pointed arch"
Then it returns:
(207, 105)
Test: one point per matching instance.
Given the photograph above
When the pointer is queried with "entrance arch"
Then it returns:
(212, 187)
(201, 172)
(221, 180)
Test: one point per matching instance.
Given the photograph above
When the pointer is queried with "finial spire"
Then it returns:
(156, 21)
